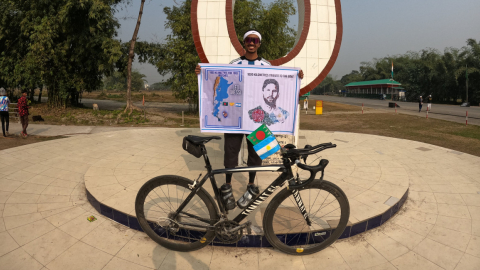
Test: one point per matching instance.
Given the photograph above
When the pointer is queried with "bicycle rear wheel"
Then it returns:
(285, 226)
(155, 204)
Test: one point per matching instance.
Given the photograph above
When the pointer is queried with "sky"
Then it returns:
(372, 28)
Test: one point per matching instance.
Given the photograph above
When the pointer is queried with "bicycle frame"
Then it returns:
(286, 175)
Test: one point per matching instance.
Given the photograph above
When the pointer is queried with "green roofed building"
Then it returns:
(388, 88)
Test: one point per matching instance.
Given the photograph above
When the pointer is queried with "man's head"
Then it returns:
(24, 93)
(420, 96)
(3, 92)
(252, 40)
(270, 92)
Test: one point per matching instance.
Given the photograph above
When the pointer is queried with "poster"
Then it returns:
(240, 98)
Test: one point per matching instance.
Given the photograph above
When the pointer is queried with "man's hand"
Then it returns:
(197, 70)
(300, 74)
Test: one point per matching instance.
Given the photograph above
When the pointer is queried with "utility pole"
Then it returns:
(466, 70)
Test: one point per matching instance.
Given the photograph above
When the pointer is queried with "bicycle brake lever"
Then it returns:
(304, 157)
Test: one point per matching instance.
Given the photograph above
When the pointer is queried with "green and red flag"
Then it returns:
(264, 142)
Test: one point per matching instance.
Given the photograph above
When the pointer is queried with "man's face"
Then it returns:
(251, 47)
(24, 94)
(270, 94)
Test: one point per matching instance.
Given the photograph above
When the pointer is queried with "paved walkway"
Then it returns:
(43, 208)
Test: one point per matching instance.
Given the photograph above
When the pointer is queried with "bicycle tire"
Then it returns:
(324, 233)
(183, 240)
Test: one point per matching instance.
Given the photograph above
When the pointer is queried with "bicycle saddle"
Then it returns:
(201, 140)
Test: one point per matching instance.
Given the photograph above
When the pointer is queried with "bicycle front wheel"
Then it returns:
(327, 209)
(158, 200)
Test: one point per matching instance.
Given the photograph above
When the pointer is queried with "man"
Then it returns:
(23, 112)
(268, 113)
(429, 103)
(252, 40)
(420, 103)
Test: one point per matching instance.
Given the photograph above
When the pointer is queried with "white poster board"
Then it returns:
(240, 98)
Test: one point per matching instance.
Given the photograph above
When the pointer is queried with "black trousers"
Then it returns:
(233, 143)
(4, 118)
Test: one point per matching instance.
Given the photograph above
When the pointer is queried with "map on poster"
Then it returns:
(239, 99)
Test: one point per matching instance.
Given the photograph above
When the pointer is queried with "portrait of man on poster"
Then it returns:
(269, 113)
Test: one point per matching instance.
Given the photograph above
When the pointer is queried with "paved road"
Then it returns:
(439, 111)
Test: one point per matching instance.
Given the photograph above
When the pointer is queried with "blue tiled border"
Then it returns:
(253, 240)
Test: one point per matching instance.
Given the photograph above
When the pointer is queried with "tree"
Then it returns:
(429, 71)
(178, 56)
(329, 84)
(131, 54)
(66, 45)
(118, 81)
(272, 22)
(353, 76)
(159, 86)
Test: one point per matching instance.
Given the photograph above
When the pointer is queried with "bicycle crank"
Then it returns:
(229, 231)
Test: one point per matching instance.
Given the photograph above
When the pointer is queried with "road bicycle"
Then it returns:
(304, 217)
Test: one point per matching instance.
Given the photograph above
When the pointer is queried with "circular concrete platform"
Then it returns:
(368, 168)
(44, 208)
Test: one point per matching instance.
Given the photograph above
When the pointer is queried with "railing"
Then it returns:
(13, 111)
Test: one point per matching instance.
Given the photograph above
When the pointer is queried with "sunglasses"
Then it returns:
(255, 41)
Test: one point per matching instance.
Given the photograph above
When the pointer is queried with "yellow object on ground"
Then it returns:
(318, 107)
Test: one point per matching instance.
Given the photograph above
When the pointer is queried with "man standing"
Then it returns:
(429, 103)
(252, 40)
(420, 103)
(23, 112)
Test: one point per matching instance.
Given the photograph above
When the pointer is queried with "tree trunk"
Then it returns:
(32, 92)
(130, 60)
(40, 96)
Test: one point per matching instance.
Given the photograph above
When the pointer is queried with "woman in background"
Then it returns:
(4, 102)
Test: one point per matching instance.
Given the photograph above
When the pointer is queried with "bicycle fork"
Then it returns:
(301, 206)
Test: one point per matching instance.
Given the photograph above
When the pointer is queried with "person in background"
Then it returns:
(4, 102)
(429, 103)
(420, 103)
(23, 112)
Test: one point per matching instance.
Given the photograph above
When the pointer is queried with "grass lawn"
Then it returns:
(15, 140)
(150, 96)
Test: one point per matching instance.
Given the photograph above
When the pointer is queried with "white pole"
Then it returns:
(297, 126)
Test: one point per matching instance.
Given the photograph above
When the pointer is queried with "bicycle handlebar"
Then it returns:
(295, 154)
(313, 172)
